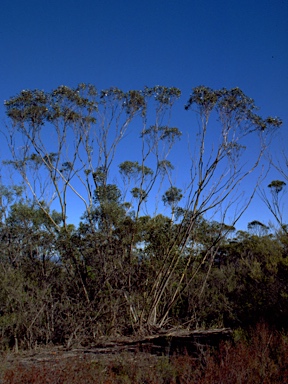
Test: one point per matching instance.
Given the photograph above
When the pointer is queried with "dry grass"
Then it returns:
(262, 359)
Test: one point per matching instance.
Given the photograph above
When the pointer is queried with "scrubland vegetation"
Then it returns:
(122, 270)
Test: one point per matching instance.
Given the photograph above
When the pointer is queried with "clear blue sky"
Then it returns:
(130, 44)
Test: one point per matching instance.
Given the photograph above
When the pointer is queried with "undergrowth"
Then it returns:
(257, 357)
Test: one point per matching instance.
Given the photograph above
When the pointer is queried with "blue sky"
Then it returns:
(130, 44)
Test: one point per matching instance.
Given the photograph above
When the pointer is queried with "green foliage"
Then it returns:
(276, 186)
(132, 169)
(172, 196)
(121, 271)
(231, 104)
(257, 228)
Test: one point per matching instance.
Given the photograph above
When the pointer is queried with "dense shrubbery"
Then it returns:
(120, 271)
(70, 288)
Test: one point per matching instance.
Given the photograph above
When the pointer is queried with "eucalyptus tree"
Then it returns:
(157, 141)
(59, 140)
(228, 119)
(257, 228)
(64, 143)
(274, 203)
(172, 197)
